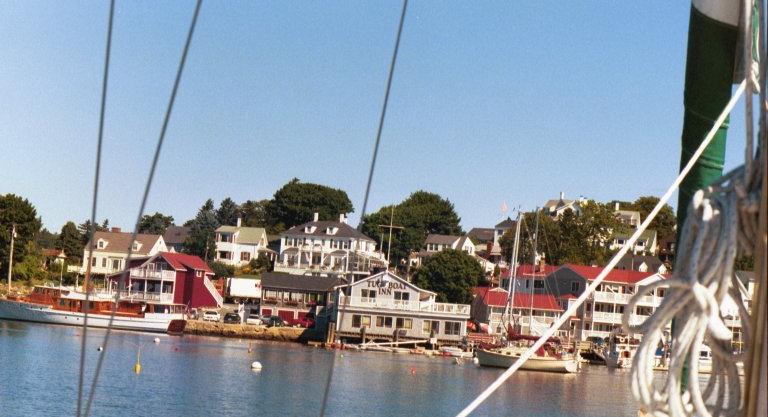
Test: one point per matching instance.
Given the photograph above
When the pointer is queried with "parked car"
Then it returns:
(273, 321)
(305, 322)
(211, 315)
(254, 319)
(232, 318)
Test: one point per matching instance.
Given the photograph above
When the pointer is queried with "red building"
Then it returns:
(171, 277)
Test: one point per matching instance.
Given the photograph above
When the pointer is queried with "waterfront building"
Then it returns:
(293, 297)
(531, 314)
(243, 289)
(384, 304)
(237, 245)
(170, 277)
(435, 244)
(53, 257)
(328, 248)
(110, 250)
(175, 236)
(602, 311)
(530, 278)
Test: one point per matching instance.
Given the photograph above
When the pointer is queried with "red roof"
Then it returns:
(492, 296)
(619, 276)
(540, 302)
(184, 261)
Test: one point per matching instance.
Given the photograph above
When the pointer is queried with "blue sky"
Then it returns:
(491, 102)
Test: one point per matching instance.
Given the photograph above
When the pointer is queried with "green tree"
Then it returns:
(46, 239)
(228, 212)
(15, 210)
(201, 238)
(71, 241)
(85, 229)
(664, 222)
(255, 214)
(507, 244)
(420, 214)
(261, 264)
(452, 274)
(155, 224)
(296, 202)
(222, 270)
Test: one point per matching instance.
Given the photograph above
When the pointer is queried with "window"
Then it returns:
(402, 295)
(356, 319)
(538, 284)
(574, 286)
(245, 256)
(368, 295)
(93, 261)
(101, 244)
(453, 328)
(103, 262)
(115, 264)
(366, 321)
(225, 237)
(403, 323)
(382, 321)
(428, 326)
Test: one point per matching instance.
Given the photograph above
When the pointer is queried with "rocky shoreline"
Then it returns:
(247, 331)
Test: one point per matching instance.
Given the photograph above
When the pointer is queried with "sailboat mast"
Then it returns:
(533, 271)
(513, 270)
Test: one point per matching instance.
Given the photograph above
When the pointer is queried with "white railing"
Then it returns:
(650, 300)
(214, 292)
(149, 296)
(146, 273)
(607, 317)
(446, 308)
(612, 297)
(595, 333)
(406, 305)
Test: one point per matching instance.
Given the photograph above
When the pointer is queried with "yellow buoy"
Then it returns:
(137, 368)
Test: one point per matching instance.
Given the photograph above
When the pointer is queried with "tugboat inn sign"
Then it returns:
(386, 286)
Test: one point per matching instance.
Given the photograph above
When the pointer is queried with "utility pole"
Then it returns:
(390, 227)
(10, 257)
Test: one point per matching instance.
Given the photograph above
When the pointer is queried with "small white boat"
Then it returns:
(400, 350)
(375, 348)
(619, 352)
(455, 352)
(506, 356)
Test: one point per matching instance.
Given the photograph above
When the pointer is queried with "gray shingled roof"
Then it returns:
(175, 234)
(481, 234)
(630, 262)
(284, 281)
(441, 239)
(345, 230)
(121, 241)
(506, 224)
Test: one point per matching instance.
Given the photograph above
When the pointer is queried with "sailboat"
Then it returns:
(550, 358)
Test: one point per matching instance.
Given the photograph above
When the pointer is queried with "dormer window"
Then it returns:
(136, 246)
(101, 244)
(331, 230)
(310, 229)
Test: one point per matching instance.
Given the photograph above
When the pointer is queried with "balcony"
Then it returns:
(611, 297)
(148, 296)
(143, 273)
(595, 333)
(406, 305)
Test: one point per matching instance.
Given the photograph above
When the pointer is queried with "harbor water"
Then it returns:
(207, 376)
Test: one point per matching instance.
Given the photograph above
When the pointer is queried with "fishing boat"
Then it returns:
(619, 351)
(65, 305)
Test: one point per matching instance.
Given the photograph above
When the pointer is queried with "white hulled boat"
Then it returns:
(62, 305)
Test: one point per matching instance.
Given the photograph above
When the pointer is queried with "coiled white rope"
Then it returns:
(608, 268)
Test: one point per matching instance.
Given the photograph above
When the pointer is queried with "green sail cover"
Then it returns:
(712, 37)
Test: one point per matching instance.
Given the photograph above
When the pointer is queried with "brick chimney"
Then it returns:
(316, 217)
(115, 230)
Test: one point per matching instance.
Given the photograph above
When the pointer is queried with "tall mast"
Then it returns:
(10, 258)
(513, 270)
(533, 271)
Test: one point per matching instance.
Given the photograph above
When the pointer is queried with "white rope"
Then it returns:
(588, 291)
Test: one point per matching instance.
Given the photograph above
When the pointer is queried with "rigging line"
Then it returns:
(150, 178)
(383, 111)
(614, 260)
(342, 311)
(91, 229)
